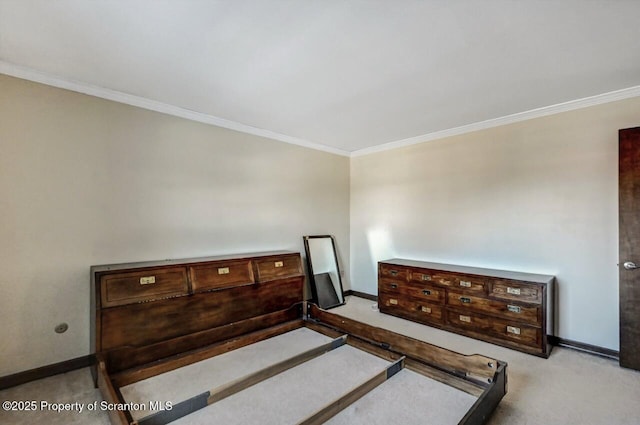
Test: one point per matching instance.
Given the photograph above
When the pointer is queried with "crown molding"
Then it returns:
(153, 105)
(508, 119)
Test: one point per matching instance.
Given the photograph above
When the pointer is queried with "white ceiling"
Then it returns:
(342, 74)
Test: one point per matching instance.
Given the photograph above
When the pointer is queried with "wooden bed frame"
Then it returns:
(220, 294)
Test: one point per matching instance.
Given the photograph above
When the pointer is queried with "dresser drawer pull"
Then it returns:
(393, 301)
(393, 272)
(513, 330)
(223, 270)
(394, 286)
(514, 308)
(514, 291)
(147, 280)
(465, 319)
(426, 277)
(425, 309)
(426, 292)
(278, 264)
(465, 283)
(465, 300)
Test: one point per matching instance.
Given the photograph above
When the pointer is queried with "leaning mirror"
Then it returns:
(324, 273)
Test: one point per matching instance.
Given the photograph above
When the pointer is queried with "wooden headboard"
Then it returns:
(143, 312)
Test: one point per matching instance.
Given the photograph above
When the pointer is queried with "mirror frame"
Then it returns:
(312, 282)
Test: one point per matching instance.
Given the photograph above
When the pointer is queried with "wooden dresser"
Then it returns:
(145, 311)
(511, 309)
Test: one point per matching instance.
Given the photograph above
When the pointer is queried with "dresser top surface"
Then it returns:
(502, 274)
(185, 261)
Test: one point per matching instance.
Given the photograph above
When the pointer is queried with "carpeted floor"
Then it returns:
(570, 387)
(295, 394)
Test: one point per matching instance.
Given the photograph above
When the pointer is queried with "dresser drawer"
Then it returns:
(418, 291)
(470, 283)
(530, 314)
(428, 276)
(391, 285)
(393, 272)
(139, 286)
(416, 310)
(431, 276)
(278, 267)
(426, 293)
(219, 275)
(467, 283)
(504, 329)
(517, 291)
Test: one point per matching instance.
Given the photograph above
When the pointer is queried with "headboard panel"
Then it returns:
(142, 312)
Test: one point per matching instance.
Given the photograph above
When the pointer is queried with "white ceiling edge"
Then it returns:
(508, 119)
(25, 73)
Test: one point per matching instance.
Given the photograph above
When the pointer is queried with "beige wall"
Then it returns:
(86, 181)
(537, 196)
